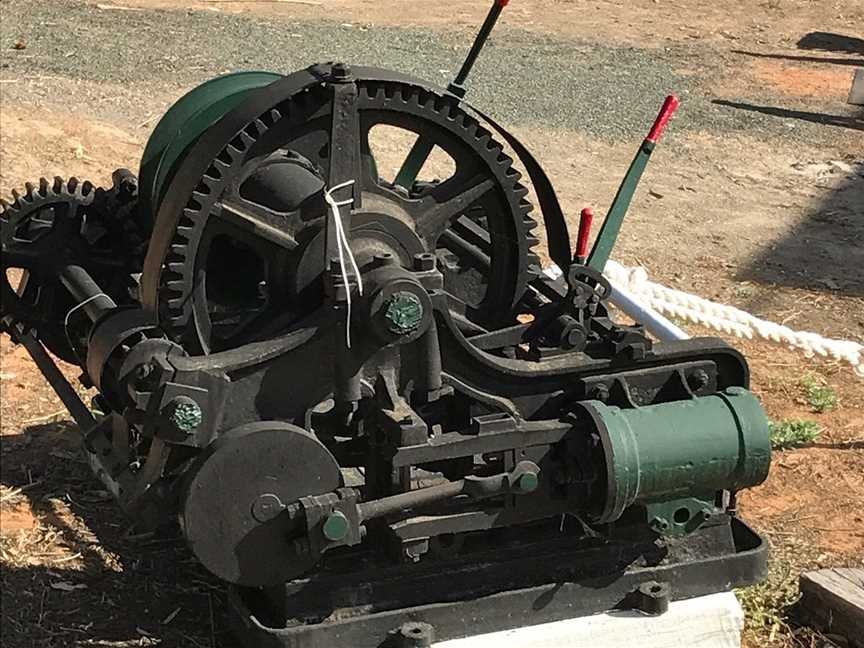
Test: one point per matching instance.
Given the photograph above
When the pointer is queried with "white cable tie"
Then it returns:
(344, 249)
(75, 308)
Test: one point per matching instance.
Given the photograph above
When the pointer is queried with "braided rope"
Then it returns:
(729, 319)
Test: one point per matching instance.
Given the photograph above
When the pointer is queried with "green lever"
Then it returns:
(615, 218)
(423, 146)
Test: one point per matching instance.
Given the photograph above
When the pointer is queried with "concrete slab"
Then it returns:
(713, 621)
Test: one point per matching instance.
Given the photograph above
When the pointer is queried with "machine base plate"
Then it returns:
(518, 584)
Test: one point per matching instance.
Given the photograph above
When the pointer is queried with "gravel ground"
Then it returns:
(606, 92)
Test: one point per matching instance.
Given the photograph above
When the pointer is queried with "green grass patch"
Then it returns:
(766, 604)
(820, 396)
(793, 433)
(769, 604)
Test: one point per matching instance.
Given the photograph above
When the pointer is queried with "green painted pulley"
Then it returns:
(184, 123)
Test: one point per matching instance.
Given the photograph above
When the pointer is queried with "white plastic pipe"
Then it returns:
(656, 324)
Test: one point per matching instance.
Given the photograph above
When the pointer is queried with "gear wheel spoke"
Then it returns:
(493, 264)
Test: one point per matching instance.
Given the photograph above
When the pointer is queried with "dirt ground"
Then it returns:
(641, 22)
(756, 200)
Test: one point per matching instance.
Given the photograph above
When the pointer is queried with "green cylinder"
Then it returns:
(683, 449)
(185, 122)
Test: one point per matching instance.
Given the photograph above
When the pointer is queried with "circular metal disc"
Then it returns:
(232, 513)
(184, 122)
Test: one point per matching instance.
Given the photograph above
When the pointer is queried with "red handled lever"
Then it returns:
(611, 227)
(669, 107)
(585, 221)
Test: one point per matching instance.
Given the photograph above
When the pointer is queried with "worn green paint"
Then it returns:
(404, 313)
(528, 482)
(335, 526)
(184, 123)
(608, 234)
(682, 450)
(412, 165)
(679, 517)
(186, 416)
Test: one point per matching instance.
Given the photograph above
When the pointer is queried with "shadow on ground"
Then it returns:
(853, 121)
(825, 251)
(829, 42)
(80, 576)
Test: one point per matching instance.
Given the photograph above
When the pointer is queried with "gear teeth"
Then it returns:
(247, 139)
(44, 317)
(174, 283)
(221, 166)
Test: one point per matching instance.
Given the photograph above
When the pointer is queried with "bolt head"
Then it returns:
(599, 392)
(404, 313)
(385, 258)
(424, 262)
(336, 526)
(698, 379)
(184, 414)
(528, 482)
(266, 507)
(340, 71)
(659, 524)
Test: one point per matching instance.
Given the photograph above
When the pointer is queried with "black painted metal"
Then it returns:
(426, 472)
(527, 589)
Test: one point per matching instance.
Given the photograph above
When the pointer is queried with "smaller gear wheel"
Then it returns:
(56, 223)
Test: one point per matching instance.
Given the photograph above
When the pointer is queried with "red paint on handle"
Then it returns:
(503, 3)
(669, 107)
(587, 217)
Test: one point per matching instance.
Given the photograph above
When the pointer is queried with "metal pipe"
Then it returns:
(523, 479)
(86, 292)
(629, 304)
(656, 324)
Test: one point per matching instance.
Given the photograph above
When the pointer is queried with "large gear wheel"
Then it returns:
(53, 224)
(246, 247)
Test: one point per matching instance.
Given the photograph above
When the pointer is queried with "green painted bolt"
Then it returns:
(659, 524)
(336, 526)
(528, 482)
(185, 414)
(404, 312)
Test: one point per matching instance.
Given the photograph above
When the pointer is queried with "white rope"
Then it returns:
(729, 319)
(344, 249)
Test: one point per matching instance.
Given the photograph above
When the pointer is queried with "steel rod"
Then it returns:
(86, 292)
(79, 411)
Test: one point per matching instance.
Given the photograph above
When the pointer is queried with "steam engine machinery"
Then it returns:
(372, 414)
